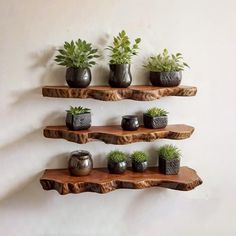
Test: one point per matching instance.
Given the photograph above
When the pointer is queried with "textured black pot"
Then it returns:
(169, 167)
(80, 163)
(117, 168)
(120, 75)
(130, 123)
(78, 77)
(78, 122)
(139, 167)
(157, 122)
(166, 79)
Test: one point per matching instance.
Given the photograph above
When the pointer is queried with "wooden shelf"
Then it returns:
(100, 181)
(106, 93)
(115, 135)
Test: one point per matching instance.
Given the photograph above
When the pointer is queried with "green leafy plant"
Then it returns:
(78, 54)
(139, 157)
(78, 110)
(122, 50)
(154, 112)
(117, 156)
(169, 152)
(166, 62)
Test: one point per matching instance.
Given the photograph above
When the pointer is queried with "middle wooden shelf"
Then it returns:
(115, 135)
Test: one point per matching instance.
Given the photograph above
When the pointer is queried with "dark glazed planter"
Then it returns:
(78, 77)
(80, 163)
(169, 167)
(139, 167)
(157, 122)
(120, 75)
(130, 123)
(117, 168)
(165, 79)
(78, 122)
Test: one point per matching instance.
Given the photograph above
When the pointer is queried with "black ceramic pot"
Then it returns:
(166, 79)
(120, 75)
(139, 167)
(130, 123)
(80, 163)
(169, 167)
(157, 122)
(117, 168)
(78, 122)
(78, 77)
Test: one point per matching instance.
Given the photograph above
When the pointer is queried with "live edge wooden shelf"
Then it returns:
(106, 93)
(100, 181)
(115, 135)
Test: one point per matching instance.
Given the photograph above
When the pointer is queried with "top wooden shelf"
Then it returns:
(106, 93)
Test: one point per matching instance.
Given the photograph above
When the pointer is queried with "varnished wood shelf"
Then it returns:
(106, 93)
(115, 135)
(100, 181)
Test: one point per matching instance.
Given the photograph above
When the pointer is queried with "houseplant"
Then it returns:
(169, 159)
(139, 161)
(78, 118)
(78, 57)
(117, 162)
(166, 70)
(120, 59)
(155, 118)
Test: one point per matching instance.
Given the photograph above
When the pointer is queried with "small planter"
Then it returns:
(130, 123)
(139, 166)
(117, 167)
(78, 122)
(157, 122)
(80, 163)
(78, 77)
(169, 167)
(166, 79)
(120, 75)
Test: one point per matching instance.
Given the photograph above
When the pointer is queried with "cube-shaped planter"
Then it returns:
(157, 122)
(78, 122)
(169, 167)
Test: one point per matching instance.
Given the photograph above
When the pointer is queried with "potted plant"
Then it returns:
(169, 159)
(139, 161)
(78, 118)
(155, 118)
(120, 59)
(117, 162)
(78, 57)
(166, 70)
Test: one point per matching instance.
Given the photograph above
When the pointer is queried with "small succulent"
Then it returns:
(117, 156)
(169, 152)
(155, 111)
(78, 54)
(78, 110)
(122, 50)
(139, 157)
(166, 62)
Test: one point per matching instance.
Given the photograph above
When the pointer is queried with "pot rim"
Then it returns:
(78, 68)
(79, 114)
(129, 117)
(166, 71)
(120, 64)
(177, 158)
(155, 116)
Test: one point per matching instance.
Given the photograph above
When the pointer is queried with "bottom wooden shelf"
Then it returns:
(100, 181)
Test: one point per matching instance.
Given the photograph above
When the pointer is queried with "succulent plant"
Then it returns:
(78, 110)
(169, 152)
(139, 157)
(155, 111)
(117, 156)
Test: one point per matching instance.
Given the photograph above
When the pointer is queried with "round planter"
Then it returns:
(120, 75)
(78, 122)
(130, 123)
(80, 163)
(157, 122)
(166, 79)
(78, 77)
(117, 168)
(139, 167)
(169, 167)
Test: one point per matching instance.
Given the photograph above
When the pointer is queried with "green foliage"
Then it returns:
(117, 156)
(169, 152)
(155, 111)
(122, 50)
(165, 62)
(78, 110)
(78, 54)
(139, 157)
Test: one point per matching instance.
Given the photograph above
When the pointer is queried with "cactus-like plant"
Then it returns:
(78, 110)
(139, 157)
(169, 152)
(117, 156)
(155, 111)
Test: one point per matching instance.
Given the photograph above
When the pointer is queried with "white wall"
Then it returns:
(204, 31)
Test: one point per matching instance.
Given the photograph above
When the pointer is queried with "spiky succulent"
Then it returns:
(139, 157)
(155, 111)
(169, 152)
(78, 110)
(117, 156)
